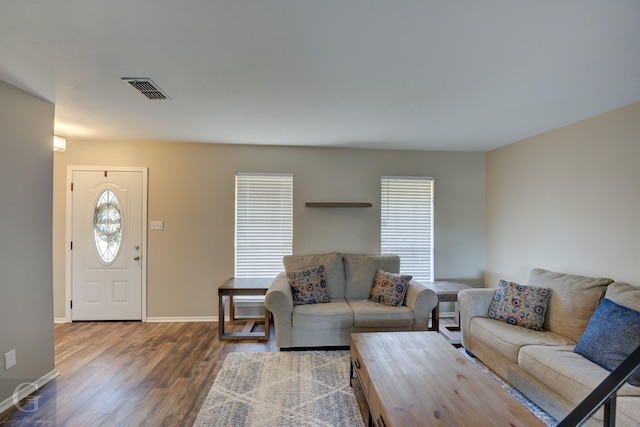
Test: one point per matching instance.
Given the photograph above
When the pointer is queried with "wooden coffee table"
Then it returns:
(418, 379)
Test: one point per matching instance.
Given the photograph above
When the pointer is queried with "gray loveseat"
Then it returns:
(542, 364)
(349, 278)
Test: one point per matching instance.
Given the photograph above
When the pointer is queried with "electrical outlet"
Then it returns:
(9, 360)
(157, 225)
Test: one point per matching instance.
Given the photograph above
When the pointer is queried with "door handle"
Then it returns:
(136, 258)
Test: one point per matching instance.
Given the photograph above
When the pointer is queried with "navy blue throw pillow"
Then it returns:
(612, 334)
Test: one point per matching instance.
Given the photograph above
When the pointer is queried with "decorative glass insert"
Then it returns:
(107, 226)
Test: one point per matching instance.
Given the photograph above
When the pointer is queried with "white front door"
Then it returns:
(106, 244)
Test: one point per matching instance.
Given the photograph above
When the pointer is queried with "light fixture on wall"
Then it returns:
(59, 143)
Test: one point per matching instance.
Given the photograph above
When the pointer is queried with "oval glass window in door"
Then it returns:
(107, 226)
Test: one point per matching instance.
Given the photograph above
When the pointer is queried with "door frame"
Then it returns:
(69, 228)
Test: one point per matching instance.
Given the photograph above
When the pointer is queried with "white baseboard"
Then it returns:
(183, 319)
(443, 314)
(26, 389)
(161, 319)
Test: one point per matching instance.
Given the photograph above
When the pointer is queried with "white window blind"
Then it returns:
(264, 222)
(407, 223)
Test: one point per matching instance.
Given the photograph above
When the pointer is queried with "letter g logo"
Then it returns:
(31, 403)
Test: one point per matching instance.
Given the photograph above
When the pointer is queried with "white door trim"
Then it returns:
(69, 210)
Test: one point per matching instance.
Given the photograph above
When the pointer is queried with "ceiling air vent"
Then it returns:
(146, 87)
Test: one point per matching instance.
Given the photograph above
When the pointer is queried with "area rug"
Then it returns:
(301, 388)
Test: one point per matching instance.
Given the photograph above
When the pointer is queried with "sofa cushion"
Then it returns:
(520, 305)
(613, 333)
(507, 339)
(389, 288)
(624, 294)
(333, 267)
(573, 300)
(566, 372)
(627, 411)
(360, 269)
(337, 314)
(369, 314)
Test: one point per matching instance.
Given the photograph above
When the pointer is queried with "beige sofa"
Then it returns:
(542, 364)
(349, 278)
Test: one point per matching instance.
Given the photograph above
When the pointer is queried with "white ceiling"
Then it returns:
(421, 74)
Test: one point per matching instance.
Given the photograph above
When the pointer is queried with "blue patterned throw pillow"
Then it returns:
(612, 334)
(309, 286)
(389, 288)
(520, 305)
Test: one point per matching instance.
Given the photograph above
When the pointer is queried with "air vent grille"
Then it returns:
(146, 87)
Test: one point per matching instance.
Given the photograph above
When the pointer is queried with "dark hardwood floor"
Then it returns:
(131, 374)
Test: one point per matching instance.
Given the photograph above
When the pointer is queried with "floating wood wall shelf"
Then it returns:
(338, 205)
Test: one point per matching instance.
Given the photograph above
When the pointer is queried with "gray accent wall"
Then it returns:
(191, 189)
(26, 287)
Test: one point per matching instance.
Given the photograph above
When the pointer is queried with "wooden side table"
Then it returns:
(231, 288)
(446, 292)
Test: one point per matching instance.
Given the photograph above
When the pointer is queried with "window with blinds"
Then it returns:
(406, 207)
(264, 223)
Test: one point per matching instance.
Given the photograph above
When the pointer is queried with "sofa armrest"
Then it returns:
(279, 301)
(422, 301)
(473, 303)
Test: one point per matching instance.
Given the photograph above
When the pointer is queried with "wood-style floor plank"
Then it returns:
(131, 374)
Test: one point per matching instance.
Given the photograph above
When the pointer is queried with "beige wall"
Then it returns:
(26, 311)
(567, 200)
(191, 188)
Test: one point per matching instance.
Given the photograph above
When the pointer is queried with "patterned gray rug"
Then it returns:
(301, 388)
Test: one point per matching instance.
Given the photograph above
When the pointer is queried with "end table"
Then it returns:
(446, 292)
(231, 288)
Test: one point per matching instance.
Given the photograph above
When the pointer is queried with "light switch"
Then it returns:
(157, 225)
